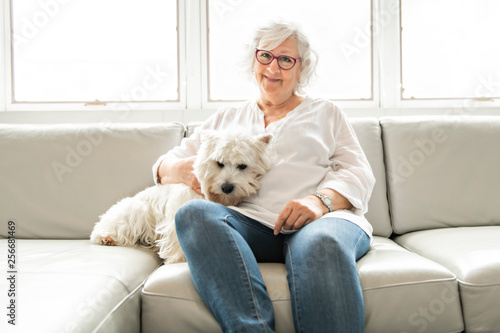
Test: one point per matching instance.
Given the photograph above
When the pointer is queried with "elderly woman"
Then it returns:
(307, 214)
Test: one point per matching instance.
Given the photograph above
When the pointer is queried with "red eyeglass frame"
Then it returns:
(277, 58)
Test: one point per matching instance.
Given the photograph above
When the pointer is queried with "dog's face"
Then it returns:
(230, 166)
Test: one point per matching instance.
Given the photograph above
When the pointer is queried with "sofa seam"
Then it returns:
(120, 304)
(411, 284)
(136, 290)
(474, 285)
(151, 294)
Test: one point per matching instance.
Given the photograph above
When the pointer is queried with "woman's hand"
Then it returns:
(300, 212)
(186, 171)
(179, 171)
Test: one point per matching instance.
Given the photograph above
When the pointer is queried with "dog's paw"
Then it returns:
(107, 240)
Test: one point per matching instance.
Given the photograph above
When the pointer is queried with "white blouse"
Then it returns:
(313, 147)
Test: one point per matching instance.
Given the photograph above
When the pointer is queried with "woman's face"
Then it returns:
(275, 84)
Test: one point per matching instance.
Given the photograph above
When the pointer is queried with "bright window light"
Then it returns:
(105, 50)
(339, 30)
(450, 49)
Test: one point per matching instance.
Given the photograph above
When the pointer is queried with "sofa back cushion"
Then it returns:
(369, 136)
(56, 180)
(442, 171)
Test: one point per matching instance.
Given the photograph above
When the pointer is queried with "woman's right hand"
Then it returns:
(179, 171)
(189, 176)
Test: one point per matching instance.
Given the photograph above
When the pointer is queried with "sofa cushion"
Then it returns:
(169, 299)
(57, 179)
(401, 291)
(76, 286)
(473, 254)
(404, 292)
(370, 138)
(442, 171)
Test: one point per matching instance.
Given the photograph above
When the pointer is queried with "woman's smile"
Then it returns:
(270, 79)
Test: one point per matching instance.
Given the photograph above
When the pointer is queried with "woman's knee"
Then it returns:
(197, 216)
(188, 215)
(328, 240)
(189, 209)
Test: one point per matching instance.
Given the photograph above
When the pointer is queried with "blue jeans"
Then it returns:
(222, 248)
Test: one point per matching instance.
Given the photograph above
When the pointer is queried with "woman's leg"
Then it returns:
(324, 284)
(217, 243)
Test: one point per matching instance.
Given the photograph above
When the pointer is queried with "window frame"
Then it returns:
(117, 106)
(373, 102)
(468, 103)
(194, 103)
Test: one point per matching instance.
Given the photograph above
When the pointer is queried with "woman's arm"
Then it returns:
(173, 170)
(349, 183)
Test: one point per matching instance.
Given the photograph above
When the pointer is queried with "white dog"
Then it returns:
(229, 167)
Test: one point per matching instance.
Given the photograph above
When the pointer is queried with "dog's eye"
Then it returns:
(242, 166)
(221, 165)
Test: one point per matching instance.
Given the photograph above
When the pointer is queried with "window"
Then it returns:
(449, 49)
(94, 51)
(339, 30)
(182, 59)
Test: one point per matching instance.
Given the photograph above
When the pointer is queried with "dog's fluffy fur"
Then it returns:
(229, 167)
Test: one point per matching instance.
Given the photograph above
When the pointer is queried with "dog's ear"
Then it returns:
(266, 138)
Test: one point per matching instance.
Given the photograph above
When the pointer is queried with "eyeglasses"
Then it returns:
(284, 62)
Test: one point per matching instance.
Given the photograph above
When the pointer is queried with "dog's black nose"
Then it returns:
(227, 188)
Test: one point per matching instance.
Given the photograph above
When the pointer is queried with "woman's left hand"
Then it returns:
(298, 213)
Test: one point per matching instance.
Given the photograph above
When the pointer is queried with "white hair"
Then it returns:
(274, 33)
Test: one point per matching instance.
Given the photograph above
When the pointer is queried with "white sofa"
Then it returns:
(434, 265)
